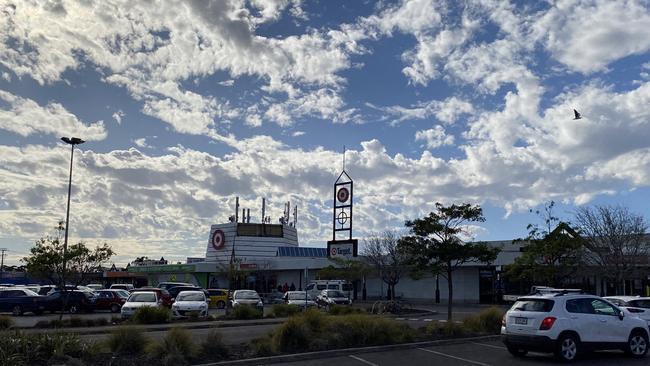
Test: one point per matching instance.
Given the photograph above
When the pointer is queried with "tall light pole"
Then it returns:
(71, 141)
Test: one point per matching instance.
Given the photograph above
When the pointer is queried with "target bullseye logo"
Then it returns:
(343, 194)
(333, 252)
(218, 239)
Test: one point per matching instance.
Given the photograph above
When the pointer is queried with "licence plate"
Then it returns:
(522, 321)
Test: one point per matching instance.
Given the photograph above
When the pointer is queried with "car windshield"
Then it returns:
(29, 292)
(641, 303)
(191, 296)
(335, 294)
(247, 295)
(143, 297)
(123, 294)
(298, 296)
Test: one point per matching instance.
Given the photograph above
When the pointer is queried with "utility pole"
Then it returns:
(2, 261)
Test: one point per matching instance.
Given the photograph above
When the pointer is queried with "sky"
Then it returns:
(185, 105)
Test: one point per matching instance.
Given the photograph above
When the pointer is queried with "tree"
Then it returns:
(383, 252)
(46, 260)
(615, 241)
(435, 243)
(553, 252)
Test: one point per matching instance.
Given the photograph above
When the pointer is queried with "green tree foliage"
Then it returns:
(46, 260)
(552, 253)
(434, 243)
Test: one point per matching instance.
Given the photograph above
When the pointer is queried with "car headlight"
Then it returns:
(260, 303)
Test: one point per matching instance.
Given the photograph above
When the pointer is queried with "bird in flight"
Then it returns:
(577, 115)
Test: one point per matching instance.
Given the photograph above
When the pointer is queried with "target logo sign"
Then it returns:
(218, 239)
(333, 252)
(343, 194)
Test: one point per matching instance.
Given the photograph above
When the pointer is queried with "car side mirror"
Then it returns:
(621, 315)
(208, 300)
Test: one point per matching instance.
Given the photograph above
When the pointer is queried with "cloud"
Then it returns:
(446, 111)
(298, 133)
(117, 116)
(434, 137)
(229, 82)
(141, 142)
(26, 117)
(586, 36)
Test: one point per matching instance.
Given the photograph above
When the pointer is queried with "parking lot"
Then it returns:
(483, 353)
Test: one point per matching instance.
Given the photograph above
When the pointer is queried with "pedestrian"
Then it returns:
(285, 288)
(293, 287)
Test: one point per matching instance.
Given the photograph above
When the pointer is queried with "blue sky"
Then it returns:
(187, 104)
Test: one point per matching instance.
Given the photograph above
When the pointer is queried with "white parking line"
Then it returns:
(489, 345)
(362, 360)
(428, 320)
(454, 357)
(400, 318)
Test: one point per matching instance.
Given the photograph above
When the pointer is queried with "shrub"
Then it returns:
(17, 348)
(293, 335)
(127, 341)
(151, 315)
(176, 348)
(312, 331)
(446, 329)
(487, 321)
(344, 310)
(285, 310)
(263, 347)
(244, 312)
(213, 348)
(6, 322)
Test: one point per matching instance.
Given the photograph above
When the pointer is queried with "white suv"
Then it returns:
(568, 324)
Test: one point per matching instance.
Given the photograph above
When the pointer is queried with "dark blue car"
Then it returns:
(19, 301)
(76, 301)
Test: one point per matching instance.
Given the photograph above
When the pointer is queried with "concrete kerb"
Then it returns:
(347, 351)
(156, 327)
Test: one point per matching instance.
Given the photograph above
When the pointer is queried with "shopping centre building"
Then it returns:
(264, 256)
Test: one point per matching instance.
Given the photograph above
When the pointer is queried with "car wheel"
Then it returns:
(567, 348)
(115, 308)
(73, 309)
(221, 304)
(516, 351)
(17, 310)
(637, 344)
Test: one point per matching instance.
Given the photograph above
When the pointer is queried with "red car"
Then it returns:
(162, 294)
(110, 300)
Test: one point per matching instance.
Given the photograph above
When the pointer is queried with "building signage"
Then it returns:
(218, 239)
(165, 268)
(342, 248)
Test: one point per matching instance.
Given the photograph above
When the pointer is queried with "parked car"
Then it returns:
(110, 300)
(636, 305)
(332, 297)
(46, 289)
(76, 301)
(316, 287)
(300, 298)
(247, 297)
(188, 302)
(162, 294)
(173, 292)
(218, 297)
(122, 286)
(139, 299)
(168, 285)
(569, 324)
(20, 300)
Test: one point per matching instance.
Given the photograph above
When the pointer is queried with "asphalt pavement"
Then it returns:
(482, 353)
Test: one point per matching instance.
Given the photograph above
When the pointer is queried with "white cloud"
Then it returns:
(434, 137)
(298, 133)
(588, 35)
(229, 82)
(446, 111)
(26, 117)
(141, 142)
(117, 116)
(6, 76)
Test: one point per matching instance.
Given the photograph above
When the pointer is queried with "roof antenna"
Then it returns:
(343, 157)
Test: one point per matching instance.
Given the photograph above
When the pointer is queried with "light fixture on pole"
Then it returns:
(71, 141)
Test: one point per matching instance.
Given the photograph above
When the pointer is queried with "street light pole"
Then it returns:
(71, 141)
